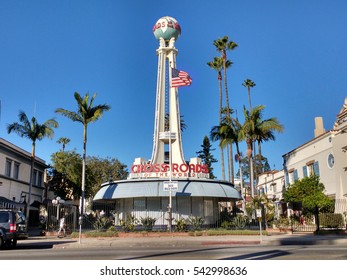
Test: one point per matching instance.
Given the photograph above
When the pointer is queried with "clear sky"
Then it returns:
(295, 51)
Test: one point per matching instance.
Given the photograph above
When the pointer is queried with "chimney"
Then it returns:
(319, 127)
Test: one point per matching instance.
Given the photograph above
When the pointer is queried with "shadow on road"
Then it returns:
(260, 255)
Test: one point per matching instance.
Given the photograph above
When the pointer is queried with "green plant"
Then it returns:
(181, 225)
(102, 223)
(129, 223)
(240, 222)
(226, 224)
(148, 223)
(196, 222)
(112, 229)
(282, 223)
(331, 220)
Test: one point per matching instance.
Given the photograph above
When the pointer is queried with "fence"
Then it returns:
(104, 215)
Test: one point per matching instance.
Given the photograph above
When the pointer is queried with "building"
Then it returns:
(167, 187)
(15, 166)
(325, 155)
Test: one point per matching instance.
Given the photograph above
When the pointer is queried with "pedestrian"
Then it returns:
(62, 226)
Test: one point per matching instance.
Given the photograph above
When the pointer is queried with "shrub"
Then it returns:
(129, 223)
(148, 223)
(240, 222)
(102, 223)
(196, 222)
(181, 225)
(331, 220)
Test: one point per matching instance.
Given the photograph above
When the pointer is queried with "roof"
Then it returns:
(155, 188)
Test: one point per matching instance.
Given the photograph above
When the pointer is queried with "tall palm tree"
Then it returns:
(223, 45)
(167, 123)
(86, 113)
(64, 141)
(265, 131)
(255, 128)
(217, 64)
(31, 129)
(249, 84)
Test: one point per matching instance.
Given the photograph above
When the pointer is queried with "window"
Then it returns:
(8, 167)
(16, 170)
(293, 175)
(331, 160)
(34, 178)
(312, 168)
(39, 179)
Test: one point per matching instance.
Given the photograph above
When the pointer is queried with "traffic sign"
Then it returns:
(170, 185)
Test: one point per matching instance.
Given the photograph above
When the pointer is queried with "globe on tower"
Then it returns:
(166, 28)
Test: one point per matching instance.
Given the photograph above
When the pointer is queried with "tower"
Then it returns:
(167, 160)
(167, 136)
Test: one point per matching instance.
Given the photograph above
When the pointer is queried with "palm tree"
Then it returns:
(86, 113)
(64, 141)
(167, 123)
(223, 45)
(264, 131)
(257, 129)
(34, 131)
(249, 84)
(217, 64)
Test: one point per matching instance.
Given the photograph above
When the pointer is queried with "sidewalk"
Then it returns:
(183, 241)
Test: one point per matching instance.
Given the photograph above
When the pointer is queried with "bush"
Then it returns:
(129, 223)
(102, 223)
(196, 222)
(331, 220)
(181, 225)
(148, 223)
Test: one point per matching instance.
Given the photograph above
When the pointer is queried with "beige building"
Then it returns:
(325, 155)
(15, 176)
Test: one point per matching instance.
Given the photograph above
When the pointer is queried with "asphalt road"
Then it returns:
(46, 251)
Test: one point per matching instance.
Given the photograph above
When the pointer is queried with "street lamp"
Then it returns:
(57, 202)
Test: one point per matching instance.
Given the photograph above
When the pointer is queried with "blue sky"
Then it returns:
(295, 51)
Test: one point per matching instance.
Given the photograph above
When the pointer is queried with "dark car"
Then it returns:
(12, 227)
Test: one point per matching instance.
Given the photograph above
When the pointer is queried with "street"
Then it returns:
(49, 251)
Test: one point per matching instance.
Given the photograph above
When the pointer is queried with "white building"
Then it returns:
(325, 155)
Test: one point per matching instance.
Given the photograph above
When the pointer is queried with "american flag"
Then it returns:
(180, 78)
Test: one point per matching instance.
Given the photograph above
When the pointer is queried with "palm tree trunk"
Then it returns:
(220, 121)
(30, 183)
(84, 169)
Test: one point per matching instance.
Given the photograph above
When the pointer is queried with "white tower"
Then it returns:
(167, 154)
(167, 136)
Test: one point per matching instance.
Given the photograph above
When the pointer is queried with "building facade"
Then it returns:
(15, 176)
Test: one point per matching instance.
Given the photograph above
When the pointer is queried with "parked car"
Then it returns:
(12, 227)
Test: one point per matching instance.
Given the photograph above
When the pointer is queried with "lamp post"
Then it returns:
(57, 202)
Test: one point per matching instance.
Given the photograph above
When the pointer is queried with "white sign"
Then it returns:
(258, 213)
(170, 185)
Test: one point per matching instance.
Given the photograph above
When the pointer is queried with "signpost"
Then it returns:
(259, 216)
(170, 185)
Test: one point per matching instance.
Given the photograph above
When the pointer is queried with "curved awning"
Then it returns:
(155, 188)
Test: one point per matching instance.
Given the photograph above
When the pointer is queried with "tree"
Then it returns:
(255, 128)
(206, 156)
(217, 64)
(223, 45)
(249, 84)
(86, 113)
(34, 131)
(64, 141)
(309, 192)
(65, 174)
(101, 170)
(167, 123)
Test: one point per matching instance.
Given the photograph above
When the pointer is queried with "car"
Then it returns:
(12, 227)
